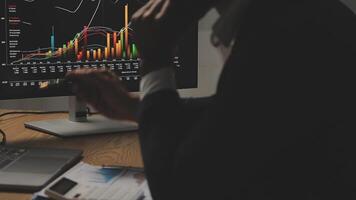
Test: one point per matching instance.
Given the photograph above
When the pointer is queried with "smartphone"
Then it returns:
(60, 190)
(111, 183)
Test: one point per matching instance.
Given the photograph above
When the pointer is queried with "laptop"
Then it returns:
(31, 169)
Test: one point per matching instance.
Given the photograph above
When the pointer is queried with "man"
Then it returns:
(281, 125)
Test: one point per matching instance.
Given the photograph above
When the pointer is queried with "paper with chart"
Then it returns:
(105, 183)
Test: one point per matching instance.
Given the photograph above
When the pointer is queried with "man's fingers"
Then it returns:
(82, 74)
(103, 90)
(139, 13)
(85, 84)
(76, 75)
(91, 84)
(163, 10)
(151, 12)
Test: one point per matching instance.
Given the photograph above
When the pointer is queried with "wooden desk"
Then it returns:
(110, 149)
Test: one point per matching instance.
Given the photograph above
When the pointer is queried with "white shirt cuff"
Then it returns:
(163, 79)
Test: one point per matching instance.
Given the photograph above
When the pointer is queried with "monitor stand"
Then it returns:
(80, 124)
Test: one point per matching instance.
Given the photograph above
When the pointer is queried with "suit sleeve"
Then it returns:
(174, 134)
(165, 120)
(276, 83)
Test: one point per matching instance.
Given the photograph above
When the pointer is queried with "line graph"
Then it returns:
(70, 11)
(96, 10)
(27, 23)
(78, 7)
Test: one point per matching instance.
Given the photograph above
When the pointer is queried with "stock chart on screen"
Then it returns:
(42, 40)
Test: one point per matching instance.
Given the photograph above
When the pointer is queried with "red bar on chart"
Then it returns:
(80, 56)
(114, 40)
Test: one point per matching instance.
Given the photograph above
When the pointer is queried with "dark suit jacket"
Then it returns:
(282, 122)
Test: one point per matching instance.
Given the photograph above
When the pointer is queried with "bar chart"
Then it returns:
(42, 40)
(108, 44)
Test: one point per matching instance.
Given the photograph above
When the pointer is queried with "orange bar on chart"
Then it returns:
(112, 52)
(99, 54)
(118, 49)
(106, 53)
(126, 26)
(94, 55)
(108, 43)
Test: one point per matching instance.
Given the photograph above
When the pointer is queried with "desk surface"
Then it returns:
(110, 149)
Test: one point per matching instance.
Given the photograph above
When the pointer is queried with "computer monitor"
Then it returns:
(42, 40)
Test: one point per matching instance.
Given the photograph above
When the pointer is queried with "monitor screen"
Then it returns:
(42, 40)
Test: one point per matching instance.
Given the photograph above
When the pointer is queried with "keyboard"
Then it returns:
(10, 154)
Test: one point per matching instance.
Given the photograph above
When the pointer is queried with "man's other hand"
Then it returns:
(160, 24)
(104, 91)
(151, 33)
